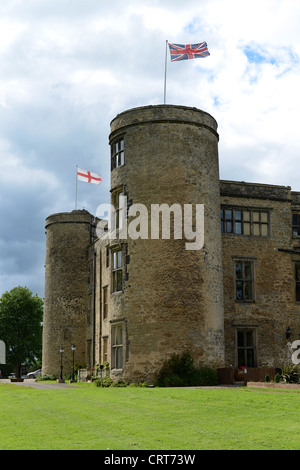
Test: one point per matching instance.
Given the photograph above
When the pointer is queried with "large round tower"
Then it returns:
(172, 297)
(65, 314)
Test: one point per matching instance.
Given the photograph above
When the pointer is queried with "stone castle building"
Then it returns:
(134, 300)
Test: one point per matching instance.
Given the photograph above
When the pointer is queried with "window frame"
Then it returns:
(105, 302)
(296, 226)
(117, 153)
(236, 221)
(117, 270)
(244, 280)
(116, 221)
(245, 348)
(107, 256)
(105, 348)
(117, 346)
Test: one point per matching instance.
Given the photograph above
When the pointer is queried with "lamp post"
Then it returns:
(61, 380)
(73, 347)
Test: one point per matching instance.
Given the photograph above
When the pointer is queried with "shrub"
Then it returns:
(108, 382)
(277, 378)
(118, 383)
(290, 372)
(138, 384)
(45, 377)
(105, 382)
(267, 378)
(205, 376)
(179, 371)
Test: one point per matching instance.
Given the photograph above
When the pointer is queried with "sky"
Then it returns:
(68, 67)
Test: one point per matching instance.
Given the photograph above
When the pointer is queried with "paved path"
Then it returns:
(40, 385)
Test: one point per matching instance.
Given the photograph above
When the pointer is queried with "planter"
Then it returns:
(17, 380)
(239, 375)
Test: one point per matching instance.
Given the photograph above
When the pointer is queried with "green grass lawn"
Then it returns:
(148, 419)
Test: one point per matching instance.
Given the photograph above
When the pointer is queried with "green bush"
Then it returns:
(118, 383)
(138, 384)
(267, 378)
(179, 371)
(277, 378)
(105, 382)
(290, 373)
(45, 377)
(205, 376)
(108, 382)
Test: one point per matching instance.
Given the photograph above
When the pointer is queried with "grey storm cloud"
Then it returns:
(69, 66)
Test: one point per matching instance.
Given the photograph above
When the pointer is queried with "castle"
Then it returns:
(133, 300)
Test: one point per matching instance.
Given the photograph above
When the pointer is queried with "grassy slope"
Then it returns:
(149, 419)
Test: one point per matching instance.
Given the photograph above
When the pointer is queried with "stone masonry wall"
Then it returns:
(274, 307)
(65, 313)
(172, 298)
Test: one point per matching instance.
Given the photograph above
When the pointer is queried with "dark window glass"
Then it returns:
(296, 224)
(245, 222)
(245, 348)
(117, 154)
(244, 281)
(117, 271)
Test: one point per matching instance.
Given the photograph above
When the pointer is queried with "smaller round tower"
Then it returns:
(68, 236)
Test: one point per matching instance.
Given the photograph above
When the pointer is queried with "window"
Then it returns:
(242, 221)
(117, 347)
(117, 205)
(89, 350)
(296, 224)
(244, 285)
(117, 270)
(117, 153)
(297, 280)
(246, 350)
(231, 221)
(105, 302)
(105, 349)
(107, 254)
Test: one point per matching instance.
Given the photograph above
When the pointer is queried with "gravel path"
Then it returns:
(41, 385)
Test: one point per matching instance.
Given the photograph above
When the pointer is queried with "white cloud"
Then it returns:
(68, 67)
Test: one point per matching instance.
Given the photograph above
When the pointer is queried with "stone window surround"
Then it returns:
(116, 269)
(105, 302)
(117, 345)
(296, 226)
(243, 259)
(239, 220)
(117, 153)
(246, 328)
(115, 202)
(105, 348)
(107, 256)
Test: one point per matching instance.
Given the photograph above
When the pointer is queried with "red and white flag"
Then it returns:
(88, 176)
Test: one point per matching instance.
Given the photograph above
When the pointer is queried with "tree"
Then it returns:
(21, 316)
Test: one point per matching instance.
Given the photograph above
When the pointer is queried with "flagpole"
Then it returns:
(165, 87)
(76, 188)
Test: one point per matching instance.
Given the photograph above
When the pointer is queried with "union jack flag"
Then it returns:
(188, 51)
